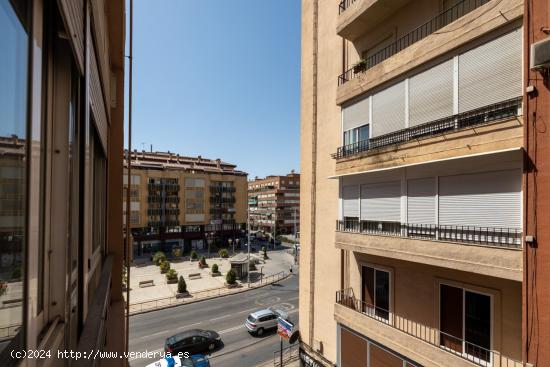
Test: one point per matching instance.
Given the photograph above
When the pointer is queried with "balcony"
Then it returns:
(494, 252)
(495, 112)
(431, 26)
(432, 40)
(424, 344)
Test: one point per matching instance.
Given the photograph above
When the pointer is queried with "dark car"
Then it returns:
(192, 341)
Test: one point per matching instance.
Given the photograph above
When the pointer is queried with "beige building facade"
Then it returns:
(412, 183)
(178, 201)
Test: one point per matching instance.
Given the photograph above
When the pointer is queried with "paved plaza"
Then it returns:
(278, 261)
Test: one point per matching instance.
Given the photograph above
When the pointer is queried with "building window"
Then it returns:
(465, 321)
(375, 291)
(356, 135)
(13, 181)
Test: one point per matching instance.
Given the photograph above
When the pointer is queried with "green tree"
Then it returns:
(214, 268)
(164, 267)
(231, 276)
(159, 257)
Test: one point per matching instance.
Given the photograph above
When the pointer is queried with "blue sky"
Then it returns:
(220, 79)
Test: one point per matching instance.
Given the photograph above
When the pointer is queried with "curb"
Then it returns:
(209, 298)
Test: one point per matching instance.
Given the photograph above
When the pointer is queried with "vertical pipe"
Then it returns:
(129, 175)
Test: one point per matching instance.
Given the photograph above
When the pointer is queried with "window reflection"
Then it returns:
(13, 128)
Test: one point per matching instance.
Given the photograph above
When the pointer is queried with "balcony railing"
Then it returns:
(486, 236)
(479, 116)
(344, 4)
(441, 20)
(449, 343)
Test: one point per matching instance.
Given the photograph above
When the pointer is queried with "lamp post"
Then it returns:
(248, 244)
(210, 240)
(238, 244)
(230, 243)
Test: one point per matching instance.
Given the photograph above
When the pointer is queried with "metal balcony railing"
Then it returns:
(344, 4)
(436, 23)
(449, 343)
(487, 236)
(479, 116)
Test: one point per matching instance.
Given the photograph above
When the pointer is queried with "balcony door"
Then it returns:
(375, 292)
(465, 322)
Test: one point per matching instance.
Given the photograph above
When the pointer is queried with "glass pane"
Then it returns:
(382, 297)
(13, 131)
(367, 293)
(478, 325)
(363, 133)
(450, 314)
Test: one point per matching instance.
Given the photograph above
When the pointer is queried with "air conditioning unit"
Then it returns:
(540, 55)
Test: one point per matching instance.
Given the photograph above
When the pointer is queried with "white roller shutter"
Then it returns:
(431, 94)
(388, 110)
(356, 114)
(350, 195)
(421, 201)
(491, 199)
(491, 73)
(381, 201)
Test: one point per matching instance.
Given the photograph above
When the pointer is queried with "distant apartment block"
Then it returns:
(417, 243)
(61, 148)
(183, 202)
(274, 204)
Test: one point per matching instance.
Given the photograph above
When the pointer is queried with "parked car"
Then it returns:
(196, 360)
(260, 321)
(193, 341)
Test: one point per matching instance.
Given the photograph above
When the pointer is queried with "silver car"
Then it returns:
(260, 321)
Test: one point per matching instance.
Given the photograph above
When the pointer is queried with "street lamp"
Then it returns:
(238, 240)
(231, 242)
(210, 240)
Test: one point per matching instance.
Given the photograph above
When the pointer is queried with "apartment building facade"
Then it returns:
(413, 208)
(61, 149)
(184, 202)
(274, 203)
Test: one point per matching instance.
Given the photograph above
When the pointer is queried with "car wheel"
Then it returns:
(211, 346)
(260, 332)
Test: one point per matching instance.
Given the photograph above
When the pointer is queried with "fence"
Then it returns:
(461, 348)
(487, 236)
(160, 303)
(290, 354)
(487, 114)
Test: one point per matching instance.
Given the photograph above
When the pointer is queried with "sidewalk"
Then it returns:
(206, 286)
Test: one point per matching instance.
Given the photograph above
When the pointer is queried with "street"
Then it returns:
(225, 315)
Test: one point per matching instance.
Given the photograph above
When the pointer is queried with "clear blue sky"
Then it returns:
(220, 79)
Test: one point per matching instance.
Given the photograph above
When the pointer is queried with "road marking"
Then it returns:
(232, 329)
(221, 317)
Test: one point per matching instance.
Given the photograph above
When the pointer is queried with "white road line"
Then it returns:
(232, 329)
(221, 317)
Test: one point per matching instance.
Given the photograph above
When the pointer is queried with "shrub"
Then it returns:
(171, 274)
(194, 255)
(215, 268)
(176, 253)
(202, 262)
(182, 286)
(164, 267)
(223, 254)
(158, 258)
(252, 265)
(264, 250)
(231, 277)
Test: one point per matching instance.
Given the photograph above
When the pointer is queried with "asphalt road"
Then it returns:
(225, 315)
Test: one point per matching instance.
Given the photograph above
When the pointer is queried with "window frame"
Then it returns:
(390, 272)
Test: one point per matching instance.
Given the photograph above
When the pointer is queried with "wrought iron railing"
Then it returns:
(344, 4)
(449, 343)
(479, 116)
(436, 23)
(487, 236)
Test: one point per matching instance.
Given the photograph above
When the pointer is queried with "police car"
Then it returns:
(196, 360)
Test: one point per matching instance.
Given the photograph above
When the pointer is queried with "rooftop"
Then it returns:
(173, 161)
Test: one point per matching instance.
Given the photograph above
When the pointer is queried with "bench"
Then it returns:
(195, 276)
(146, 283)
